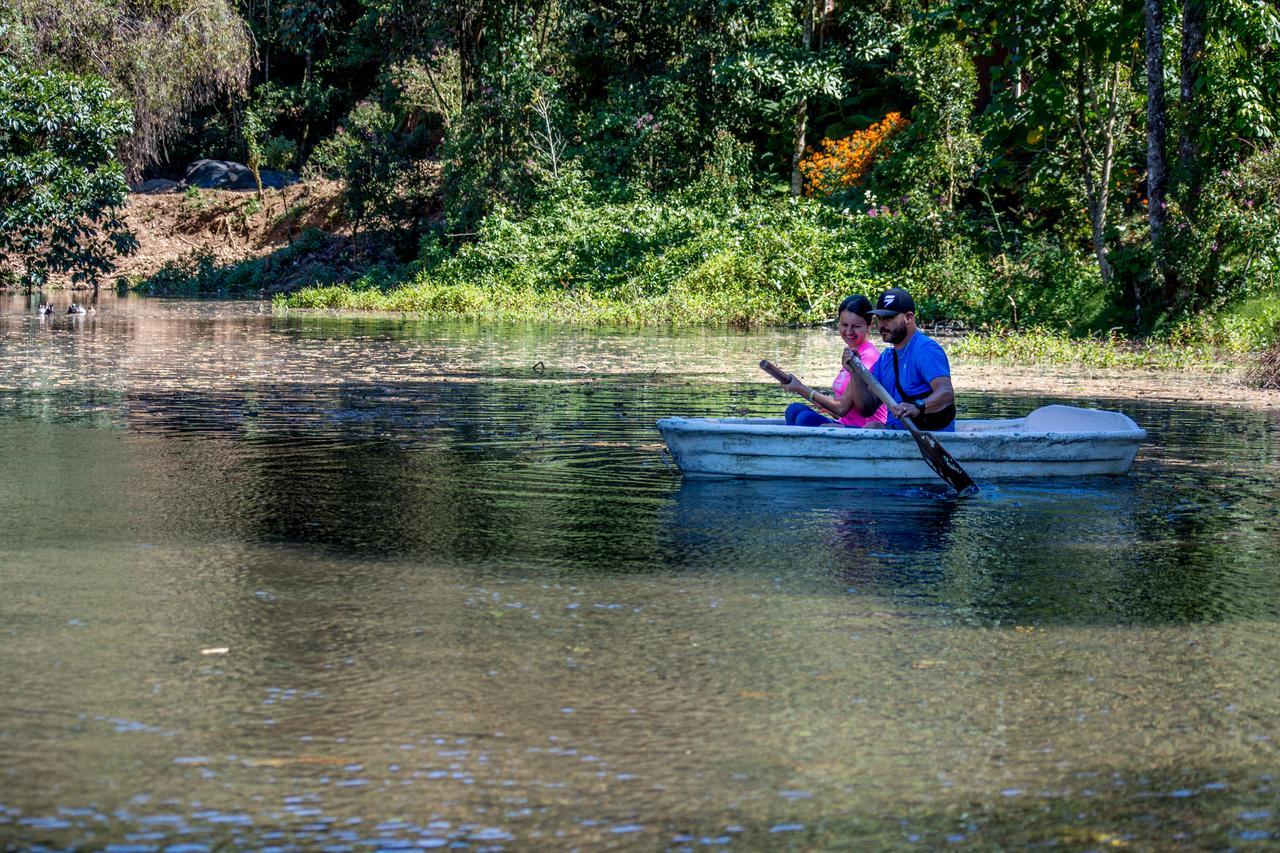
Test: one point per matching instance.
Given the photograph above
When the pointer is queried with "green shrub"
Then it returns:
(1228, 248)
(1055, 286)
(193, 200)
(1055, 346)
(1246, 327)
(61, 187)
(709, 255)
(195, 273)
(380, 162)
(165, 58)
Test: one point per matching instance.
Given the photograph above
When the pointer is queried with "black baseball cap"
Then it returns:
(892, 302)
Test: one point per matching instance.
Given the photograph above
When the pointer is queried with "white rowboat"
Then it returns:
(1053, 441)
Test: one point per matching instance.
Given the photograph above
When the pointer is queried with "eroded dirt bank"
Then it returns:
(230, 225)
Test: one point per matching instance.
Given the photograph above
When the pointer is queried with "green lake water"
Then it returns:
(310, 583)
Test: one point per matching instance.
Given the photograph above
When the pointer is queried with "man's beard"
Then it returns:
(893, 336)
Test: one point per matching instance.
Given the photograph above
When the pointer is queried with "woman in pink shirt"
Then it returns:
(855, 321)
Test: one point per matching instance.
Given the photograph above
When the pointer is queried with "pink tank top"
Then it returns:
(869, 355)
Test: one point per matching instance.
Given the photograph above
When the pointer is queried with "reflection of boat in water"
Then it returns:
(1058, 550)
(1053, 441)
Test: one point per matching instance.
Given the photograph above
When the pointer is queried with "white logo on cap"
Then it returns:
(889, 297)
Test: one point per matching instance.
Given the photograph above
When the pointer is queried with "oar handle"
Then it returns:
(770, 368)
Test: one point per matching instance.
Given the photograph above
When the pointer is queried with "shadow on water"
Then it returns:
(538, 477)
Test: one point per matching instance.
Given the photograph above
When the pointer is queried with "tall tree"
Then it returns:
(1060, 74)
(781, 64)
(808, 16)
(1194, 25)
(1097, 164)
(1157, 167)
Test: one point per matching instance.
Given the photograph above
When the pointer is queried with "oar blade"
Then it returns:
(944, 464)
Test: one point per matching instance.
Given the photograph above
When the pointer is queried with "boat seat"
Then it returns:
(1074, 419)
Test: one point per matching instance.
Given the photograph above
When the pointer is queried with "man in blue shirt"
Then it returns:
(914, 369)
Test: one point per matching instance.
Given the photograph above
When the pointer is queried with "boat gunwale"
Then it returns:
(836, 432)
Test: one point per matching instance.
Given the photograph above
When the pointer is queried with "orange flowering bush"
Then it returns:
(843, 163)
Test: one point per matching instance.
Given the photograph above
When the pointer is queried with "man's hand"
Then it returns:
(906, 410)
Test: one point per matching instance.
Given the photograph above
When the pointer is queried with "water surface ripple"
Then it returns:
(351, 584)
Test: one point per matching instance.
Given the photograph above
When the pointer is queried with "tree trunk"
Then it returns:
(1194, 21)
(470, 23)
(266, 51)
(809, 11)
(1157, 168)
(1097, 190)
(797, 152)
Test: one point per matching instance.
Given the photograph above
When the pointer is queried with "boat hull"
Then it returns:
(1056, 441)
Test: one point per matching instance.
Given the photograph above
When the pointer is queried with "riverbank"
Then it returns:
(683, 261)
(191, 242)
(1223, 387)
(677, 260)
(1216, 383)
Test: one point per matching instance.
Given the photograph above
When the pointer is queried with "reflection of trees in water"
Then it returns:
(1187, 541)
(441, 474)
(802, 527)
(1049, 552)
(320, 466)
(461, 471)
(1209, 536)
(552, 473)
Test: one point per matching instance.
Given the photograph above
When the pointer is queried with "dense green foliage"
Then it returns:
(61, 189)
(165, 57)
(1017, 195)
(699, 256)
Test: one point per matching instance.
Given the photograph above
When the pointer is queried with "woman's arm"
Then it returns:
(838, 406)
(826, 401)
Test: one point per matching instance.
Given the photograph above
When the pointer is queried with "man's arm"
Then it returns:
(941, 395)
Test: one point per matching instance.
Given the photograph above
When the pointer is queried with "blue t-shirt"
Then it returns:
(920, 362)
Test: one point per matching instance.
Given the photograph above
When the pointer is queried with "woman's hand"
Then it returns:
(795, 386)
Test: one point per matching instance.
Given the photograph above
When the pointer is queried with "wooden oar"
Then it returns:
(935, 455)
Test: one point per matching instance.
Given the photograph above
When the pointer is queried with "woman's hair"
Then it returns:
(858, 304)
